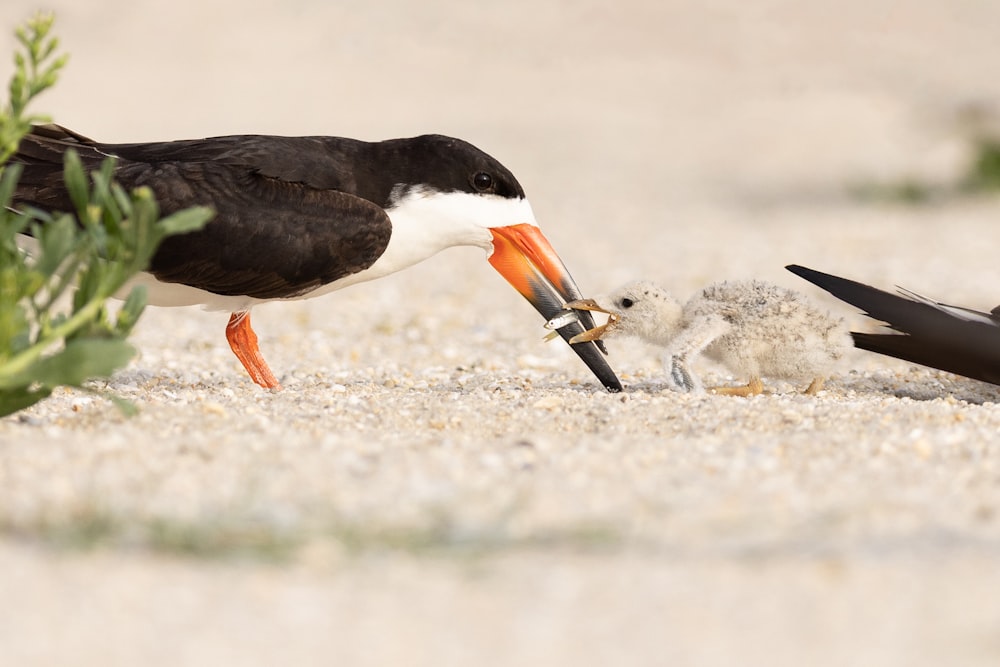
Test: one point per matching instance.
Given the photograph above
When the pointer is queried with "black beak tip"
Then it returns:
(548, 303)
(593, 356)
(592, 352)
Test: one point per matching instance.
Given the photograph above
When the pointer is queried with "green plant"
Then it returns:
(48, 338)
(33, 73)
(983, 174)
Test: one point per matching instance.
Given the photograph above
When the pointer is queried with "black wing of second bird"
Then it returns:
(950, 338)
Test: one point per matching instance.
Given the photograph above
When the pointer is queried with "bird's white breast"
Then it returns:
(424, 222)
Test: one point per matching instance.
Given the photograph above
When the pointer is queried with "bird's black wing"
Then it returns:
(269, 238)
(277, 232)
(956, 340)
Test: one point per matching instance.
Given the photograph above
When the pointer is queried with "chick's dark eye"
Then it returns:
(627, 303)
(482, 181)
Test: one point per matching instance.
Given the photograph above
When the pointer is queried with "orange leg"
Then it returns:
(243, 340)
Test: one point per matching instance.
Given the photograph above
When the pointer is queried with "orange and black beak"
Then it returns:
(525, 258)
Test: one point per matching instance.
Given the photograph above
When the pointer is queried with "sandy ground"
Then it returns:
(436, 485)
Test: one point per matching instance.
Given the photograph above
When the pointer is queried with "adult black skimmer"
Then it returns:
(297, 217)
(950, 338)
(754, 328)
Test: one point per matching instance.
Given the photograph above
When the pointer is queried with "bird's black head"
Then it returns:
(445, 164)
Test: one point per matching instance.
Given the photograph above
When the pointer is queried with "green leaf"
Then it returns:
(57, 241)
(81, 360)
(75, 179)
(188, 220)
(19, 398)
(14, 325)
(130, 311)
(8, 181)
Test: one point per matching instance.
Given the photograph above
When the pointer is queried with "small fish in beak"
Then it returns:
(571, 315)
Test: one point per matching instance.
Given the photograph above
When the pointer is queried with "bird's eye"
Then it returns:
(482, 181)
(627, 303)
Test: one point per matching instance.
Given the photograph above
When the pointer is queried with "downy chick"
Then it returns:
(754, 328)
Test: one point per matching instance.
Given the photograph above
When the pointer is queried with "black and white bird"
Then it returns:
(754, 328)
(298, 217)
(950, 338)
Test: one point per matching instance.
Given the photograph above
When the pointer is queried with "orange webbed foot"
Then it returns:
(243, 341)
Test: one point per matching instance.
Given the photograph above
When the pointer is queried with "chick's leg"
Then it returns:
(698, 334)
(682, 377)
(751, 388)
(815, 386)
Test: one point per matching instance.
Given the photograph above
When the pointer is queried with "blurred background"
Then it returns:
(634, 121)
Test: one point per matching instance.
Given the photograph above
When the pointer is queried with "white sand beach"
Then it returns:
(436, 485)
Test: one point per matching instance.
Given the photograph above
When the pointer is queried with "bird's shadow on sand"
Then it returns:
(916, 385)
(921, 385)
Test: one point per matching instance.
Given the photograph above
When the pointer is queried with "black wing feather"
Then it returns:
(284, 224)
(929, 336)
